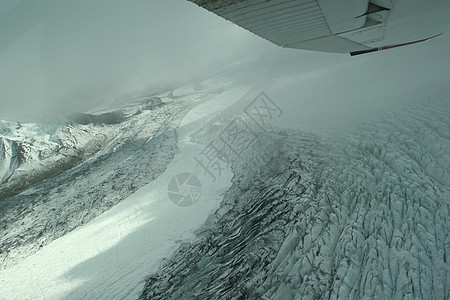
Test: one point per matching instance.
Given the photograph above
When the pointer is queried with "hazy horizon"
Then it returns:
(60, 57)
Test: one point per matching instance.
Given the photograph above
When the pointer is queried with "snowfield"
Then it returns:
(57, 227)
(111, 162)
(304, 193)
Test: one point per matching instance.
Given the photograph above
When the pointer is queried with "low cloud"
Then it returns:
(58, 57)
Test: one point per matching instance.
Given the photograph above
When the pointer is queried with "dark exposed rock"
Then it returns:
(108, 118)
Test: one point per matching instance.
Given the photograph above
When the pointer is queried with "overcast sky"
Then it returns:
(69, 55)
(73, 55)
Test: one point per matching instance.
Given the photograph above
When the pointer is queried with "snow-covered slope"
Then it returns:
(345, 195)
(77, 171)
(26, 148)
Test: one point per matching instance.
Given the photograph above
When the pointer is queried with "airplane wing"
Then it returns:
(341, 26)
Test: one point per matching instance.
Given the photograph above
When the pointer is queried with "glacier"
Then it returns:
(363, 218)
(342, 196)
(87, 168)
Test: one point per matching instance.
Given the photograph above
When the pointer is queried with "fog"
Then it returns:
(73, 55)
(60, 57)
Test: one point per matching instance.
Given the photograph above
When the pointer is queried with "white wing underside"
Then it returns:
(341, 26)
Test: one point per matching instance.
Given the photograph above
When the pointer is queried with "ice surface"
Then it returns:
(361, 218)
(127, 156)
(109, 257)
(346, 195)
